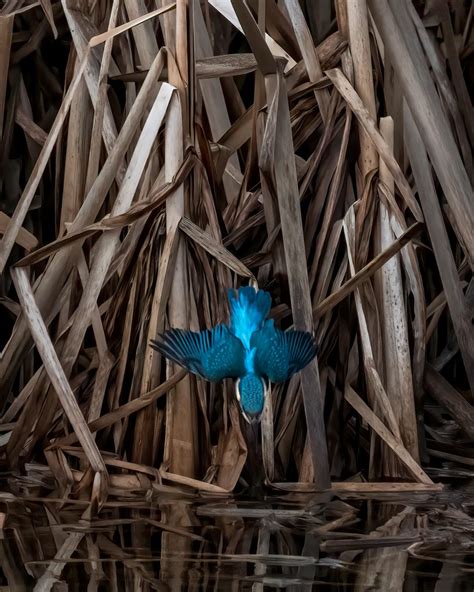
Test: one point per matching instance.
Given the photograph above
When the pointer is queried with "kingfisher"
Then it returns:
(250, 349)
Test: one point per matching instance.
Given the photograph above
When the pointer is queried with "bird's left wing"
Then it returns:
(214, 354)
(280, 354)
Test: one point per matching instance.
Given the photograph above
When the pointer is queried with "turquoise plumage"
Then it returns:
(248, 312)
(214, 354)
(279, 354)
(251, 349)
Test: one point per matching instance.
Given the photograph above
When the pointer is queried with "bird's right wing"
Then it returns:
(214, 354)
(302, 348)
(280, 354)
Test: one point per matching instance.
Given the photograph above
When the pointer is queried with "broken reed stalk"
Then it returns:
(171, 181)
(180, 412)
(359, 43)
(396, 348)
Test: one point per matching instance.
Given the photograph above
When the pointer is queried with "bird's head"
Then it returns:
(251, 391)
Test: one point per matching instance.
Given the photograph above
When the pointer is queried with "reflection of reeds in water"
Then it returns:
(151, 160)
(294, 542)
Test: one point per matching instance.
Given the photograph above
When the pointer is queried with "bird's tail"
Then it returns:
(248, 311)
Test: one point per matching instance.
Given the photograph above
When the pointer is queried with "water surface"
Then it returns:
(166, 541)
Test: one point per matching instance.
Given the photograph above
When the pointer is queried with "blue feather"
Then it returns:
(252, 395)
(214, 354)
(302, 348)
(280, 354)
(248, 312)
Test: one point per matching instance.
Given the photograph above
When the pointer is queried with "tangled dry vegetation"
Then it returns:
(154, 155)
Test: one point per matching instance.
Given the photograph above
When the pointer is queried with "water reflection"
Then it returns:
(292, 541)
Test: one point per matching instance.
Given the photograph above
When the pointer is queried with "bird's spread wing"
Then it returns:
(279, 354)
(302, 348)
(214, 354)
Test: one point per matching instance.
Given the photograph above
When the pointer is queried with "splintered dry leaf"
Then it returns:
(130, 407)
(395, 444)
(364, 118)
(446, 395)
(56, 566)
(214, 248)
(366, 272)
(24, 238)
(98, 121)
(308, 51)
(214, 100)
(377, 391)
(359, 42)
(98, 39)
(398, 371)
(55, 372)
(181, 428)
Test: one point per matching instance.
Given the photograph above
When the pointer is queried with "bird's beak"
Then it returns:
(246, 417)
(251, 420)
(237, 389)
(237, 395)
(266, 389)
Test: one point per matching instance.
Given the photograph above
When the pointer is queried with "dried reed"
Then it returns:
(149, 162)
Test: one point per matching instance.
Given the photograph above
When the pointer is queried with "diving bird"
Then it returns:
(250, 349)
